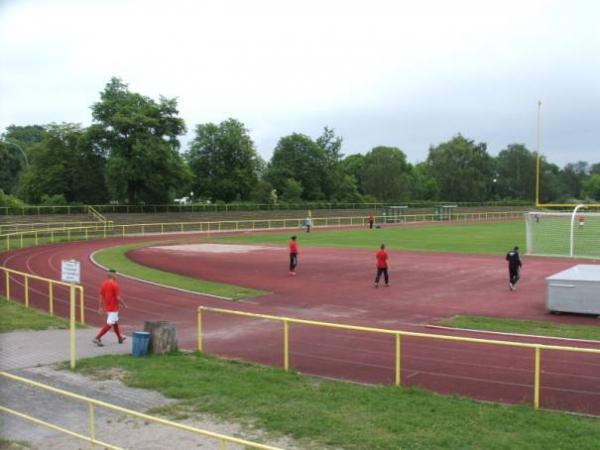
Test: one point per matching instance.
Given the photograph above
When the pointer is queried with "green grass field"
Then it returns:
(322, 413)
(479, 238)
(116, 258)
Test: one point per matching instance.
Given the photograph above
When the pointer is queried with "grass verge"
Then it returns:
(523, 327)
(478, 238)
(14, 316)
(116, 258)
(344, 415)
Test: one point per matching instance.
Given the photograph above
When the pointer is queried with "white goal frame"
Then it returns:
(553, 233)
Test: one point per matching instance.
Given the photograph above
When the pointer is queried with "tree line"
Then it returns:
(131, 154)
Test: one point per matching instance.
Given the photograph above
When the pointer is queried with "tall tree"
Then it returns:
(462, 169)
(224, 161)
(573, 175)
(139, 136)
(299, 158)
(340, 188)
(11, 165)
(385, 174)
(515, 173)
(65, 164)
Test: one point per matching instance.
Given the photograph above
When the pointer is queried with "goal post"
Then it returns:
(571, 234)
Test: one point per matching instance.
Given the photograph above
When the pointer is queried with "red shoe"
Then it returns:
(122, 339)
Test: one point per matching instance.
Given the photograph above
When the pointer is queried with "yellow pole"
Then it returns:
(286, 345)
(51, 298)
(26, 291)
(36, 238)
(398, 378)
(92, 423)
(81, 306)
(536, 381)
(537, 167)
(21, 240)
(72, 322)
(199, 330)
(7, 285)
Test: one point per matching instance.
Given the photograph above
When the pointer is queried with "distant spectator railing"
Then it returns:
(33, 226)
(206, 207)
(100, 231)
(93, 404)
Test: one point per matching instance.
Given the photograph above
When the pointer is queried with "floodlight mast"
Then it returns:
(537, 163)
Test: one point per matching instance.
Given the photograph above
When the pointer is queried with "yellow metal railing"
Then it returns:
(92, 404)
(43, 226)
(51, 283)
(106, 230)
(537, 348)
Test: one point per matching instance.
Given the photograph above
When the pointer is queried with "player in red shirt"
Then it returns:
(293, 246)
(110, 299)
(383, 261)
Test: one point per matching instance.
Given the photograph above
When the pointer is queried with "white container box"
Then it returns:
(575, 290)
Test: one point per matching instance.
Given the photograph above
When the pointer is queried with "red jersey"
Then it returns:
(382, 258)
(293, 247)
(110, 295)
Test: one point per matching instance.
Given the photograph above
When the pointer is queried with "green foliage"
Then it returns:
(515, 173)
(11, 165)
(224, 161)
(139, 136)
(298, 157)
(385, 174)
(53, 200)
(292, 191)
(462, 169)
(10, 201)
(591, 188)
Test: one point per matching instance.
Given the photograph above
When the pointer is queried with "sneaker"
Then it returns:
(293, 274)
(387, 284)
(376, 285)
(98, 342)
(122, 339)
(511, 286)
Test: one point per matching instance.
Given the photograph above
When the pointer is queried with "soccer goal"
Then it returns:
(574, 234)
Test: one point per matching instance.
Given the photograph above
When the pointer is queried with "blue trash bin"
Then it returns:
(141, 341)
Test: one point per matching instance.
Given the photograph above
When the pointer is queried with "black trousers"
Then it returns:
(370, 225)
(293, 261)
(383, 271)
(513, 273)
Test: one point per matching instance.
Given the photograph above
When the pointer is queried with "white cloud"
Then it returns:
(401, 73)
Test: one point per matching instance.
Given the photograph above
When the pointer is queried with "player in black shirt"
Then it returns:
(514, 266)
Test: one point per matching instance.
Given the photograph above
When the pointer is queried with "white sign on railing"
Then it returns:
(70, 271)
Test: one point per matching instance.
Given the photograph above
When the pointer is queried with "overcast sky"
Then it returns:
(408, 74)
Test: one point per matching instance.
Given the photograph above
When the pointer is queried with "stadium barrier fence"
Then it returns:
(109, 230)
(42, 226)
(398, 334)
(93, 404)
(51, 283)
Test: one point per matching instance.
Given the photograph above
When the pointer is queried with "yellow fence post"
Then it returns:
(51, 298)
(21, 240)
(398, 377)
(92, 423)
(7, 285)
(36, 238)
(536, 381)
(200, 329)
(72, 323)
(26, 287)
(81, 305)
(286, 345)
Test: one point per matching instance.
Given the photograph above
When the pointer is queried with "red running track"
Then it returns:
(336, 285)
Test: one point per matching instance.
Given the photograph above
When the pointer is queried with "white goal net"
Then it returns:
(575, 234)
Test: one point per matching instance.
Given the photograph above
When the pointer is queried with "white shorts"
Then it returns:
(112, 318)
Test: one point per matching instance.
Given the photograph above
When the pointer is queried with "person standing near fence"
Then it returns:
(514, 267)
(109, 301)
(293, 247)
(371, 221)
(383, 261)
(308, 223)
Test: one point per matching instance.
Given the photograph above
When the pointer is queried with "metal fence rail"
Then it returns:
(107, 230)
(92, 404)
(398, 334)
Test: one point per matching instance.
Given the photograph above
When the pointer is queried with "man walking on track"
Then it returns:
(514, 267)
(293, 246)
(110, 300)
(383, 260)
